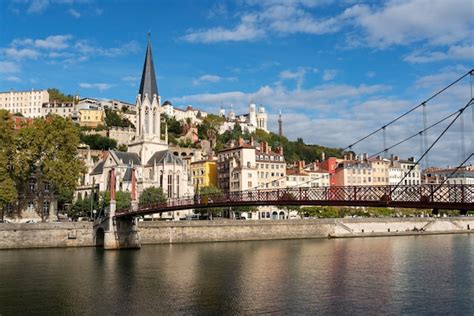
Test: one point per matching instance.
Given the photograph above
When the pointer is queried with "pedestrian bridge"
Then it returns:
(426, 196)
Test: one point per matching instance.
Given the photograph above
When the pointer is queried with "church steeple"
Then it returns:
(148, 82)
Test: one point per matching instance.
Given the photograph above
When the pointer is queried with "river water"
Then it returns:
(417, 275)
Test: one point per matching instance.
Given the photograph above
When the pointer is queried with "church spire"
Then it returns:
(148, 83)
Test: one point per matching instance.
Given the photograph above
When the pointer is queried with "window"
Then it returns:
(32, 185)
(45, 207)
(170, 185)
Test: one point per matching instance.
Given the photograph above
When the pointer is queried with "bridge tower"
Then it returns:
(118, 233)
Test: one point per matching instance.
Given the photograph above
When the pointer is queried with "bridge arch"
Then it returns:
(99, 237)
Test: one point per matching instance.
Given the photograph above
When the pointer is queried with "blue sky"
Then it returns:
(337, 69)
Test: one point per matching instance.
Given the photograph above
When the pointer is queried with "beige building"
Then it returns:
(301, 177)
(236, 168)
(380, 170)
(28, 103)
(91, 117)
(271, 167)
(66, 109)
(354, 173)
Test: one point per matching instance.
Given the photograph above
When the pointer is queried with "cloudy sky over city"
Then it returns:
(336, 69)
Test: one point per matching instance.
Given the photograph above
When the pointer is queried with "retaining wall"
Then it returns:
(13, 236)
(81, 234)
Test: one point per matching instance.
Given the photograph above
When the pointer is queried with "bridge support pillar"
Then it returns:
(120, 233)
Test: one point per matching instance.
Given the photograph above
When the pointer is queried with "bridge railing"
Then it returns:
(425, 193)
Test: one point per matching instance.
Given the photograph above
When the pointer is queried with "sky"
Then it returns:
(336, 69)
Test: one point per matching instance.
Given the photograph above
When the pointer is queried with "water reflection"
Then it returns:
(397, 275)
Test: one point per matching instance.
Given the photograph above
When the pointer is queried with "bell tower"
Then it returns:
(148, 130)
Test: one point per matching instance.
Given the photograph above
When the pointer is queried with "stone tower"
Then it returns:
(280, 125)
(147, 135)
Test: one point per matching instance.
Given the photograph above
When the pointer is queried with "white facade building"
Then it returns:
(399, 168)
(28, 103)
(248, 122)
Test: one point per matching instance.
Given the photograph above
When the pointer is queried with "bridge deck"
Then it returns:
(453, 197)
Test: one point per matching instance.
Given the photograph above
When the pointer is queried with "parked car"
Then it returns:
(32, 221)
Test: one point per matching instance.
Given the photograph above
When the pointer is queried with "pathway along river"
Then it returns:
(416, 275)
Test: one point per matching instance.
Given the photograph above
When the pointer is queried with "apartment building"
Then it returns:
(401, 167)
(354, 173)
(299, 176)
(271, 167)
(204, 173)
(28, 103)
(236, 168)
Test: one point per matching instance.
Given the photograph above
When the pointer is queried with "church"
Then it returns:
(148, 152)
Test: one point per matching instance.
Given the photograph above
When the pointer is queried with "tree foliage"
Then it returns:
(58, 96)
(98, 142)
(113, 118)
(152, 195)
(47, 146)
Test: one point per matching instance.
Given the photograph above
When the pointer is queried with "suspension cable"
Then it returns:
(471, 73)
(463, 150)
(411, 110)
(433, 144)
(425, 135)
(452, 173)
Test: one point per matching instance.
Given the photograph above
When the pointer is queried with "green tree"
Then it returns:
(49, 146)
(113, 118)
(208, 194)
(58, 96)
(99, 142)
(152, 195)
(122, 147)
(8, 191)
(122, 199)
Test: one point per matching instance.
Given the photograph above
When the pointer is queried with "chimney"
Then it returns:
(279, 150)
(241, 141)
(252, 141)
(300, 165)
(345, 157)
(323, 156)
(350, 156)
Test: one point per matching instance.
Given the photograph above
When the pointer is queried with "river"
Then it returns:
(415, 275)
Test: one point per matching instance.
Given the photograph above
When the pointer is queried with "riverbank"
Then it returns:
(80, 234)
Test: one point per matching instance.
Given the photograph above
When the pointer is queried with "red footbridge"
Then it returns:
(426, 196)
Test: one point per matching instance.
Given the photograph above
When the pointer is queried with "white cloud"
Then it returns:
(402, 22)
(329, 74)
(245, 31)
(297, 75)
(74, 13)
(13, 78)
(17, 54)
(9, 67)
(455, 52)
(371, 74)
(98, 86)
(206, 78)
(53, 42)
(38, 6)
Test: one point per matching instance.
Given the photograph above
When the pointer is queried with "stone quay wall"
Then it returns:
(81, 234)
(223, 230)
(44, 235)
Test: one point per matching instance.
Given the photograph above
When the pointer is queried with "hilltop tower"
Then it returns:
(280, 125)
